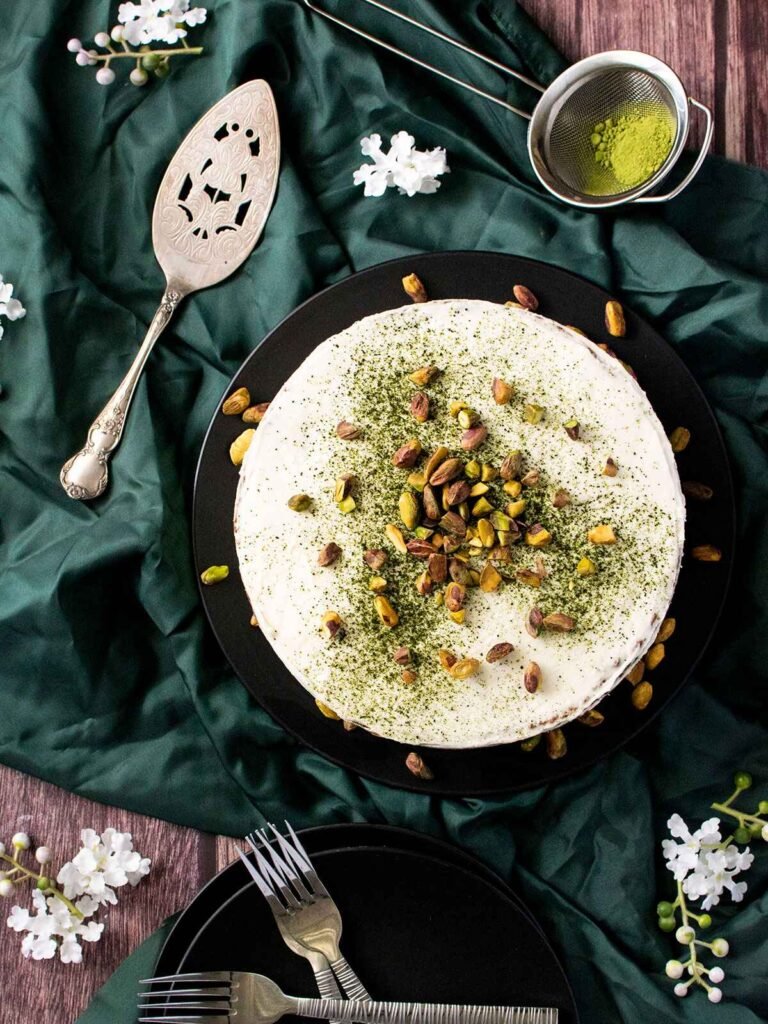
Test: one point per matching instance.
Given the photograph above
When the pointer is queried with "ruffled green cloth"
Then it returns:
(112, 684)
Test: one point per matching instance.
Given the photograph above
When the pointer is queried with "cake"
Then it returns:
(510, 588)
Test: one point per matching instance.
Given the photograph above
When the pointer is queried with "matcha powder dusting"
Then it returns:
(634, 145)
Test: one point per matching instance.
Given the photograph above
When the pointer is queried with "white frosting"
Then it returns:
(361, 375)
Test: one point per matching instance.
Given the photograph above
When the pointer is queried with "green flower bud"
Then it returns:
(665, 909)
(763, 807)
(742, 780)
(741, 834)
(720, 947)
(705, 921)
(163, 69)
(667, 924)
(150, 62)
(43, 884)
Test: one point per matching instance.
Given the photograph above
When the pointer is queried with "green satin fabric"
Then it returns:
(112, 686)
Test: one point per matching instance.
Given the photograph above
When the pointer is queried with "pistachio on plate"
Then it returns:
(329, 554)
(255, 413)
(237, 402)
(417, 766)
(348, 431)
(498, 652)
(525, 297)
(414, 289)
(407, 456)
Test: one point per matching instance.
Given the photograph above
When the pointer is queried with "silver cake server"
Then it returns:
(209, 213)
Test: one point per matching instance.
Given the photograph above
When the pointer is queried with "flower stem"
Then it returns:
(50, 891)
(187, 51)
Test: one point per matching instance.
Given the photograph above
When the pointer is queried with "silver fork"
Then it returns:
(326, 983)
(255, 999)
(302, 905)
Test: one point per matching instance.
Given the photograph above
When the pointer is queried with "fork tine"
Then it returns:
(301, 856)
(272, 877)
(266, 890)
(211, 993)
(284, 864)
(199, 976)
(287, 893)
(197, 1007)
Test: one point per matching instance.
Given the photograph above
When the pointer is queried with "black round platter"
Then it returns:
(677, 400)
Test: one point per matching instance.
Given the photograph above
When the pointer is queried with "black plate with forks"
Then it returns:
(423, 921)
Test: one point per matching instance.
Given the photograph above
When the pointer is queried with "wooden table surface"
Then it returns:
(718, 48)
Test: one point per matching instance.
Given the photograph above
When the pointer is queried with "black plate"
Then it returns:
(422, 921)
(675, 396)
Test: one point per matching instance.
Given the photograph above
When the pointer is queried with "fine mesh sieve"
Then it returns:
(614, 93)
(606, 85)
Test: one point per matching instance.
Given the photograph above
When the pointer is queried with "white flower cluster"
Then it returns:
(404, 167)
(703, 864)
(141, 24)
(9, 307)
(160, 21)
(106, 862)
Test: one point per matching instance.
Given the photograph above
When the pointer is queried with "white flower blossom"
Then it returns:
(702, 864)
(404, 167)
(106, 862)
(9, 307)
(159, 21)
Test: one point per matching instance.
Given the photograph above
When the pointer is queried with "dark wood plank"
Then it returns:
(745, 103)
(50, 992)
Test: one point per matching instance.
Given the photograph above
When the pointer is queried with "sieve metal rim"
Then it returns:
(577, 74)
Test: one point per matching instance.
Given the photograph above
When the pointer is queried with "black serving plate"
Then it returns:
(423, 921)
(675, 396)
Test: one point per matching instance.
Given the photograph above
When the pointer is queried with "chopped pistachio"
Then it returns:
(395, 537)
(511, 465)
(473, 469)
(326, 711)
(377, 584)
(467, 418)
(329, 554)
(572, 428)
(537, 536)
(530, 744)
(481, 507)
(707, 553)
(610, 468)
(533, 413)
(413, 288)
(423, 376)
(488, 473)
(417, 766)
(502, 391)
(465, 668)
(513, 488)
(240, 446)
(347, 504)
(478, 489)
(409, 509)
(486, 533)
(417, 481)
(490, 579)
(602, 534)
(586, 567)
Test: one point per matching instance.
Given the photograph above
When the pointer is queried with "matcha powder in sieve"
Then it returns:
(634, 145)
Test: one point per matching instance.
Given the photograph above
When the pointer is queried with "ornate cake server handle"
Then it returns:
(209, 213)
(85, 475)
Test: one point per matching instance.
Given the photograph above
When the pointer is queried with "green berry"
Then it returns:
(705, 921)
(665, 909)
(151, 61)
(667, 924)
(763, 807)
(755, 830)
(742, 780)
(741, 834)
(43, 883)
(163, 69)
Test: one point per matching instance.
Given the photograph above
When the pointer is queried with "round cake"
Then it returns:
(459, 524)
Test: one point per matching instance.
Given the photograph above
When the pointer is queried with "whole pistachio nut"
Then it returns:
(431, 504)
(680, 439)
(557, 746)
(300, 503)
(423, 376)
(240, 446)
(420, 548)
(558, 622)
(561, 498)
(445, 472)
(502, 391)
(697, 491)
(499, 651)
(255, 413)
(407, 456)
(512, 465)
(329, 554)
(615, 322)
(440, 454)
(707, 553)
(458, 491)
(375, 558)
(409, 508)
(532, 677)
(417, 766)
(348, 431)
(402, 656)
(474, 437)
(437, 567)
(464, 668)
(452, 522)
(525, 297)
(214, 574)
(237, 402)
(534, 621)
(414, 289)
(420, 406)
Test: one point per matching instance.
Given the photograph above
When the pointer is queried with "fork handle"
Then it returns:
(326, 986)
(348, 1011)
(350, 982)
